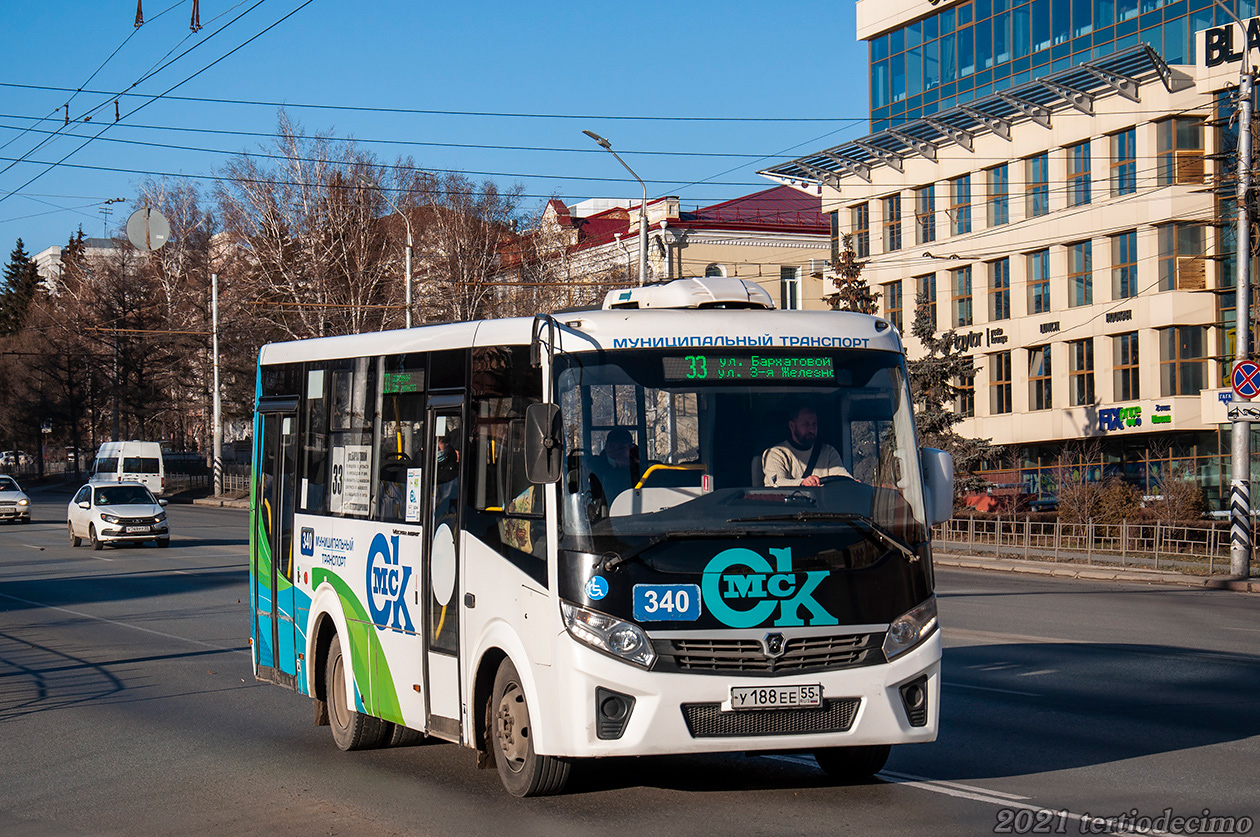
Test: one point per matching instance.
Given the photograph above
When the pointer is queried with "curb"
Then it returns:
(218, 502)
(1096, 573)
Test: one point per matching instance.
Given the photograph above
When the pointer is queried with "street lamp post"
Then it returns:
(607, 146)
(407, 267)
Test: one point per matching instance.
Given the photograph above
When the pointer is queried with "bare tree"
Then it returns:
(1077, 481)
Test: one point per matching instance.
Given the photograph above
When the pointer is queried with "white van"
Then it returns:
(132, 461)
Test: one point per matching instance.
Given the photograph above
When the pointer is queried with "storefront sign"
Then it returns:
(1219, 43)
(1120, 316)
(1047, 328)
(1119, 418)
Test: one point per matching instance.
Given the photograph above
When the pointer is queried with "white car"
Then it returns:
(14, 504)
(121, 512)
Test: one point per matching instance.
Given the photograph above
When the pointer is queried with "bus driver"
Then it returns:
(801, 459)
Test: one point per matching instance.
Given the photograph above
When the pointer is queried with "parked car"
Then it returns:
(120, 512)
(14, 504)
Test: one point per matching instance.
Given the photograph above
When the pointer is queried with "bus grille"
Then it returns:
(707, 720)
(748, 656)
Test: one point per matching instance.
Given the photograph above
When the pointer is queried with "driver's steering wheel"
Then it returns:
(834, 478)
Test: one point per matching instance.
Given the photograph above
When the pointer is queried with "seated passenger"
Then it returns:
(617, 467)
(801, 459)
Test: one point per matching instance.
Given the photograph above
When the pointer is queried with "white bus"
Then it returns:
(559, 538)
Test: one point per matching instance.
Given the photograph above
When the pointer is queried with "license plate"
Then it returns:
(136, 529)
(776, 697)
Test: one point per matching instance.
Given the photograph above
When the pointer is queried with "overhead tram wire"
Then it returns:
(114, 96)
(153, 99)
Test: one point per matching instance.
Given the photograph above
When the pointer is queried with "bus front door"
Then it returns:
(274, 654)
(440, 570)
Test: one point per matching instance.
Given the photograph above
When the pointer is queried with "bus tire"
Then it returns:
(401, 736)
(351, 730)
(75, 540)
(522, 771)
(853, 764)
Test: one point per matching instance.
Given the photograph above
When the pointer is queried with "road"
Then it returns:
(127, 706)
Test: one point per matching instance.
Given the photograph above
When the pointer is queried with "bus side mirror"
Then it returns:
(543, 451)
(938, 480)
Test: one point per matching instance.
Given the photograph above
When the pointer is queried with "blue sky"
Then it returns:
(582, 63)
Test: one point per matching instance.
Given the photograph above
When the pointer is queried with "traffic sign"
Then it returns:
(1247, 379)
(1244, 412)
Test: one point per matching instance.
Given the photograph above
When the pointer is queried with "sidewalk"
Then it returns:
(226, 501)
(1095, 573)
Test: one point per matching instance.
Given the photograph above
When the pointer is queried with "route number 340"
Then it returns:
(667, 602)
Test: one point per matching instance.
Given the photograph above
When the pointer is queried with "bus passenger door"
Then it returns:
(274, 654)
(440, 567)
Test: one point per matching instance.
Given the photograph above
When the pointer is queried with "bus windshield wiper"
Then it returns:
(872, 530)
(614, 560)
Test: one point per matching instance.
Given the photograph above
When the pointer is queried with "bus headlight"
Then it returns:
(608, 634)
(910, 628)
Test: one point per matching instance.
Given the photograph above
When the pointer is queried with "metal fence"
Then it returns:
(1194, 548)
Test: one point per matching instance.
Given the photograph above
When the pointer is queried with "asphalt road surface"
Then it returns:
(127, 706)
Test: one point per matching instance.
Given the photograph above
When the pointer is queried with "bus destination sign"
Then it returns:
(750, 368)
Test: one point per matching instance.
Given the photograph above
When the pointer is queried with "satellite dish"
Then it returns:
(148, 229)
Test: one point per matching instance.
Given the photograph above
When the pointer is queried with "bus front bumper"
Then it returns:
(674, 713)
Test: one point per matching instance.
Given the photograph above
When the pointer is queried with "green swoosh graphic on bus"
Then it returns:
(380, 694)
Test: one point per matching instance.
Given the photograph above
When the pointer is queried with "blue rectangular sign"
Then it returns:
(666, 602)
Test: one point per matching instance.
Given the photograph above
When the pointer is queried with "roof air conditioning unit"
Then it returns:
(693, 292)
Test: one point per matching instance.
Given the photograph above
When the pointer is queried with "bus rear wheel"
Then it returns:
(853, 764)
(523, 771)
(351, 730)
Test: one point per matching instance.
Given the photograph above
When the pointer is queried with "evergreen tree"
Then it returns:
(852, 291)
(21, 282)
(932, 387)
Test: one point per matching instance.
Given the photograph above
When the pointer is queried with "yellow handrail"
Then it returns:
(659, 467)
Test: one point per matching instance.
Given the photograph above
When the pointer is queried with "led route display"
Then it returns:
(701, 367)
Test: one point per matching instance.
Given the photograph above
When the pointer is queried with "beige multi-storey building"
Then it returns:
(1066, 211)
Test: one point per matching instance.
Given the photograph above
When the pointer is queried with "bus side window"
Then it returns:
(314, 417)
(504, 385)
(401, 453)
(350, 467)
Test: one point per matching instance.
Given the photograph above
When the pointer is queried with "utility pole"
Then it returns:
(218, 401)
(1240, 428)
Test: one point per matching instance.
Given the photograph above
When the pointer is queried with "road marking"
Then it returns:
(119, 624)
(1038, 673)
(989, 689)
(963, 633)
(977, 794)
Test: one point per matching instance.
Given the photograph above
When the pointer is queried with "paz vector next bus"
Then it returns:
(557, 538)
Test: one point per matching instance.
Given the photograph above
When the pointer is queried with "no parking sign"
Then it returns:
(1246, 379)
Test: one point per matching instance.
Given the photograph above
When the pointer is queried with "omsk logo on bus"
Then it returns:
(743, 590)
(387, 584)
(308, 541)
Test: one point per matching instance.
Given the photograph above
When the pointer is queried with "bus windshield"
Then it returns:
(664, 444)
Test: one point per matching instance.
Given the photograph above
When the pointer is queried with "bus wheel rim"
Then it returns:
(512, 727)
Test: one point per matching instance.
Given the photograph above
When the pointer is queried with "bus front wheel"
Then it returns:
(351, 730)
(523, 771)
(853, 764)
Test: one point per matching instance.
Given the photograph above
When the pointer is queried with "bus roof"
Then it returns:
(615, 330)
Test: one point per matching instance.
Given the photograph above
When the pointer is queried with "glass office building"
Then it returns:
(974, 48)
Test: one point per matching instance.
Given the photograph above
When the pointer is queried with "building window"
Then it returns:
(965, 393)
(961, 280)
(925, 214)
(1182, 360)
(960, 204)
(1124, 265)
(1124, 163)
(892, 223)
(1078, 174)
(1127, 367)
(1039, 282)
(835, 236)
(893, 304)
(860, 216)
(1179, 150)
(790, 288)
(1081, 371)
(1000, 289)
(1080, 274)
(999, 202)
(1181, 263)
(1000, 383)
(1039, 380)
(715, 270)
(1037, 177)
(925, 295)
